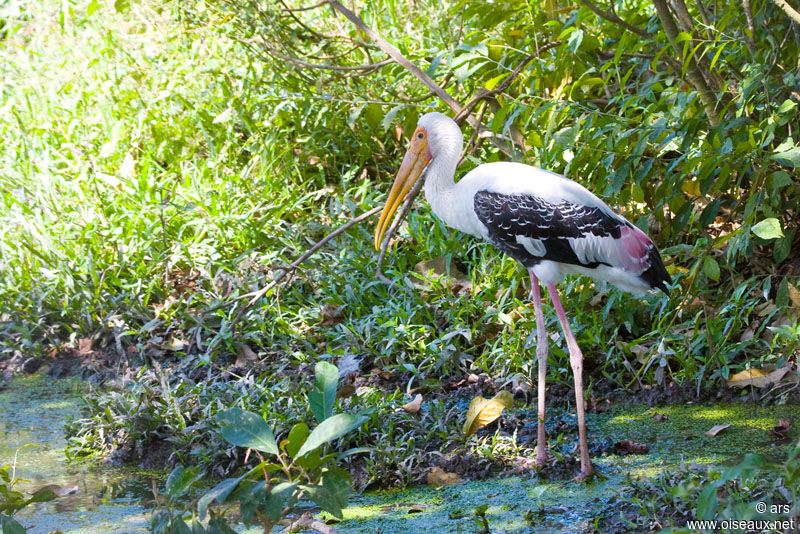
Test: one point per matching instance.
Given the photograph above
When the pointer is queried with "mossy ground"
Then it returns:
(518, 504)
(33, 410)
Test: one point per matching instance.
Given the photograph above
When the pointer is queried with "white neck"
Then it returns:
(445, 142)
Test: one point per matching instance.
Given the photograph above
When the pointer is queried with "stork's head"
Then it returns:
(437, 138)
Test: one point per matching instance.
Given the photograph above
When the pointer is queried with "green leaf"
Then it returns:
(323, 396)
(388, 119)
(788, 158)
(707, 502)
(575, 39)
(297, 436)
(768, 229)
(42, 495)
(782, 247)
(180, 481)
(782, 295)
(711, 268)
(246, 429)
(10, 526)
(277, 498)
(331, 494)
(331, 428)
(219, 492)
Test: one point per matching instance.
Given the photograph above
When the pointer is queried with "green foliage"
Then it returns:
(12, 501)
(717, 493)
(156, 167)
(269, 491)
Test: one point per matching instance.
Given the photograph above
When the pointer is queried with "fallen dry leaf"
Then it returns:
(659, 417)
(439, 477)
(331, 315)
(244, 354)
(794, 295)
(345, 390)
(382, 374)
(443, 266)
(716, 429)
(781, 429)
(85, 345)
(631, 447)
(481, 411)
(413, 406)
(758, 377)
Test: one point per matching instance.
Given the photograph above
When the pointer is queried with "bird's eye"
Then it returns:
(420, 135)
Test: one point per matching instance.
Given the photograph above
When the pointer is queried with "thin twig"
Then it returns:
(612, 17)
(307, 65)
(309, 8)
(255, 296)
(483, 94)
(472, 138)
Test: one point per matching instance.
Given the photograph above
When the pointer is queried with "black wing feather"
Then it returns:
(508, 216)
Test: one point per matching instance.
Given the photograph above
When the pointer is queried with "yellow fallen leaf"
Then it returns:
(442, 266)
(716, 429)
(481, 411)
(757, 377)
(439, 477)
(413, 406)
(794, 295)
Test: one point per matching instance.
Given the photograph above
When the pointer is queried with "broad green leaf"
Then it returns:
(42, 495)
(388, 119)
(707, 502)
(575, 39)
(246, 429)
(711, 268)
(219, 492)
(323, 397)
(277, 498)
(180, 480)
(10, 526)
(331, 428)
(297, 436)
(331, 494)
(768, 229)
(782, 247)
(789, 157)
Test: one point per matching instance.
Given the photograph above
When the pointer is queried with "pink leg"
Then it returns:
(541, 356)
(576, 360)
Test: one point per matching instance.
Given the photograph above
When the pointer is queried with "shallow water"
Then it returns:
(33, 411)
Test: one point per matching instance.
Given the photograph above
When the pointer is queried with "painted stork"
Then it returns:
(550, 224)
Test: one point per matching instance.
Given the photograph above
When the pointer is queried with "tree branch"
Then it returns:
(789, 10)
(307, 65)
(395, 54)
(255, 296)
(749, 39)
(483, 94)
(692, 71)
(612, 17)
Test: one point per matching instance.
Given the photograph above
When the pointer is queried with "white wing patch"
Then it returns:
(534, 247)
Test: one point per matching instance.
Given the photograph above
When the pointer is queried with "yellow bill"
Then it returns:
(416, 159)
